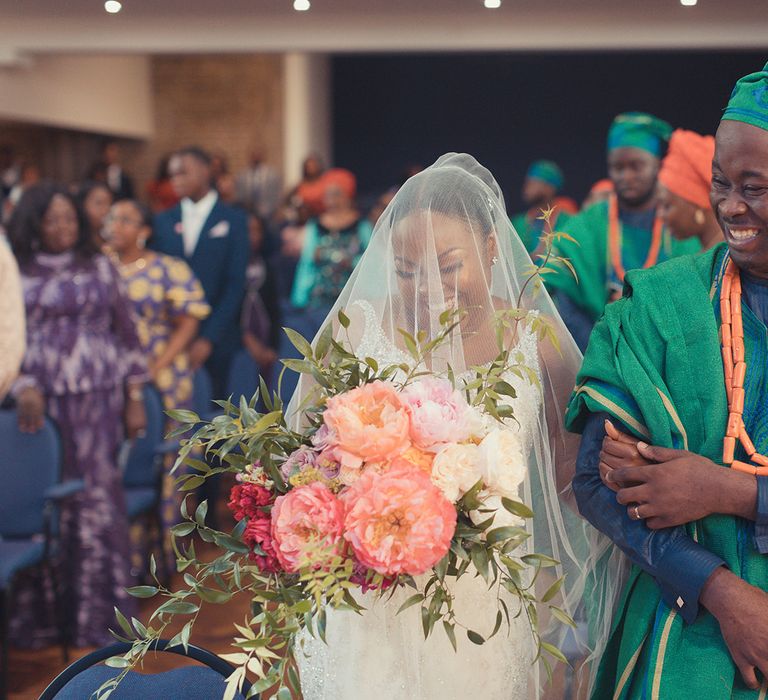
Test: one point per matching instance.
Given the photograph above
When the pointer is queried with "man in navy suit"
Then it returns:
(213, 238)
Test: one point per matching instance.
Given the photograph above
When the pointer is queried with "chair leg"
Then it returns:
(61, 611)
(4, 612)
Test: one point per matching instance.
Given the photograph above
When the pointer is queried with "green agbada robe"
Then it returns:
(654, 364)
(591, 258)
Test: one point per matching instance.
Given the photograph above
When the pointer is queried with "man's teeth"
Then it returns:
(743, 234)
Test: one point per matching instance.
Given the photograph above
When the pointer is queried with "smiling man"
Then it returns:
(680, 365)
(622, 233)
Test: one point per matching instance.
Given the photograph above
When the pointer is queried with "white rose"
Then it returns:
(456, 469)
(502, 517)
(502, 463)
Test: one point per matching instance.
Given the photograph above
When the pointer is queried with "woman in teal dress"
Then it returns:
(169, 303)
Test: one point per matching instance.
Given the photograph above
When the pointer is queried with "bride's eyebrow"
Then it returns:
(449, 251)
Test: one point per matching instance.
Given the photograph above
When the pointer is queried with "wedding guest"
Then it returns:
(85, 368)
(12, 323)
(223, 180)
(679, 366)
(212, 238)
(169, 304)
(686, 179)
(260, 321)
(333, 244)
(160, 191)
(95, 200)
(258, 186)
(310, 191)
(118, 180)
(543, 182)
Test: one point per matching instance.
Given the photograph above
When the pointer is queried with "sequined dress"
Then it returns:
(381, 655)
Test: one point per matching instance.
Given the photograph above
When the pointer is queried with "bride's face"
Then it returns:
(442, 262)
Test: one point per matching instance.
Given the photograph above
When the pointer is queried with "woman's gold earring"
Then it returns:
(698, 217)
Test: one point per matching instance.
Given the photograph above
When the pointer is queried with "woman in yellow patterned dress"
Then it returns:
(169, 303)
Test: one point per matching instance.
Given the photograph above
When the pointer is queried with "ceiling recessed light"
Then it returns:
(113, 6)
(492, 4)
(688, 3)
(301, 5)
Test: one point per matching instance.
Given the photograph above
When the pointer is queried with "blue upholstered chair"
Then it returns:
(86, 675)
(30, 471)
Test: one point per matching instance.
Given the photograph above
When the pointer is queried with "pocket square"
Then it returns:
(220, 230)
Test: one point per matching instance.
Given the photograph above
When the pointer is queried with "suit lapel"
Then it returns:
(175, 245)
(203, 240)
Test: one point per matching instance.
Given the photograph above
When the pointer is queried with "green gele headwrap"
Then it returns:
(639, 130)
(548, 171)
(749, 100)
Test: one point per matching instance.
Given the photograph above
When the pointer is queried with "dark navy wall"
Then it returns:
(507, 109)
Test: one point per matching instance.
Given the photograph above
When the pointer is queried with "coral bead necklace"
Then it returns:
(735, 367)
(614, 239)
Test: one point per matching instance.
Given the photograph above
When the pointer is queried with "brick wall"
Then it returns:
(222, 103)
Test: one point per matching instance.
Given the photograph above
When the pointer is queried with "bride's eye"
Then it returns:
(404, 274)
(451, 270)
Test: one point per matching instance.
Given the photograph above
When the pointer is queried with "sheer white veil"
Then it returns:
(445, 241)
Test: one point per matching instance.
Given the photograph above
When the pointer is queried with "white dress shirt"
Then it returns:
(193, 218)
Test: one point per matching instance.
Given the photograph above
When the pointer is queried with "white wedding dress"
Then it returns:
(381, 655)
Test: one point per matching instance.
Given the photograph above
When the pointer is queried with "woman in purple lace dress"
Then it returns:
(84, 367)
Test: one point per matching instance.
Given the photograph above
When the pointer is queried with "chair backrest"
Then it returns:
(243, 377)
(202, 393)
(30, 463)
(141, 465)
(84, 676)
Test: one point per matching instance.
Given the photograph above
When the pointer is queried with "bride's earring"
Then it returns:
(494, 260)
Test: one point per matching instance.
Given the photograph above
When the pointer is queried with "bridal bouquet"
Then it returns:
(396, 477)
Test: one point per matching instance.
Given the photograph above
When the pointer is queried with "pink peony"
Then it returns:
(439, 413)
(246, 500)
(398, 522)
(306, 518)
(367, 424)
(258, 533)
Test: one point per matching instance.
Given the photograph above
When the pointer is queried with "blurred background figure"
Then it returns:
(308, 194)
(118, 180)
(258, 186)
(333, 244)
(95, 199)
(84, 366)
(29, 175)
(168, 304)
(261, 323)
(12, 323)
(685, 180)
(222, 178)
(160, 192)
(599, 192)
(543, 182)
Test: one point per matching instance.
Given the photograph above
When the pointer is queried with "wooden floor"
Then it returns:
(32, 671)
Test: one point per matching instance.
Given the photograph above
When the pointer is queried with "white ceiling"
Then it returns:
(156, 26)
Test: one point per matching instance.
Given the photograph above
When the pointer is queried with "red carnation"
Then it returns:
(246, 500)
(258, 533)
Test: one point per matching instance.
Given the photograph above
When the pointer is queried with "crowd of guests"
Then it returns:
(119, 290)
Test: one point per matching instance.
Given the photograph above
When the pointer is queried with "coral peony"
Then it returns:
(439, 413)
(456, 469)
(258, 537)
(398, 522)
(306, 520)
(246, 500)
(366, 424)
(502, 462)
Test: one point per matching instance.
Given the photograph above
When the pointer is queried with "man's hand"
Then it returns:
(31, 410)
(741, 611)
(679, 487)
(199, 352)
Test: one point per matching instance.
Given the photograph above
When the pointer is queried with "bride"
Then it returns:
(444, 243)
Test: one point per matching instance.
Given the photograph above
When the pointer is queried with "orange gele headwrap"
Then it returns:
(604, 185)
(687, 169)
